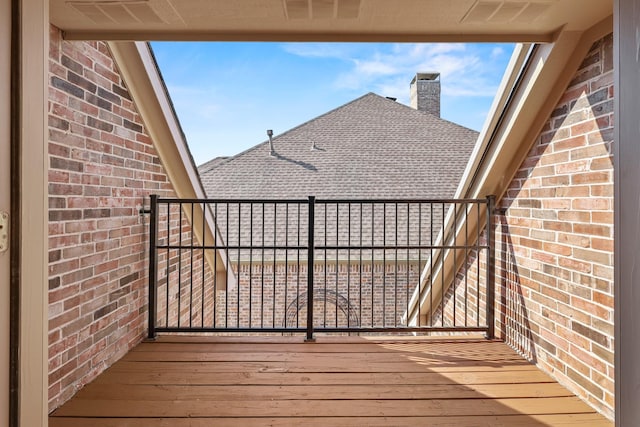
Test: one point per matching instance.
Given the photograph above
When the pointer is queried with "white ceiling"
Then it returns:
(326, 20)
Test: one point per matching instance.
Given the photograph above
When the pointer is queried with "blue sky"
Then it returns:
(227, 95)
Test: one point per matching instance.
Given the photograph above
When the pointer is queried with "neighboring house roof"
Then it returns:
(372, 147)
(207, 166)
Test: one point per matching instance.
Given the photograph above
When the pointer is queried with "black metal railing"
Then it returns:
(320, 266)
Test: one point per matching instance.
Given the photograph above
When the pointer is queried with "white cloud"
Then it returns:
(497, 52)
(466, 70)
(375, 67)
(195, 101)
(214, 97)
(321, 50)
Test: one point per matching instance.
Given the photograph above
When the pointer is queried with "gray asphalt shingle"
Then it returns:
(372, 147)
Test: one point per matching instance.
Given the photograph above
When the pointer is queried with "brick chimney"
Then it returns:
(425, 92)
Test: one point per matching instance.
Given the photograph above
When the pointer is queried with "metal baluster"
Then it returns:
(226, 288)
(251, 265)
(419, 262)
(349, 266)
(215, 267)
(262, 274)
(286, 261)
(204, 262)
(455, 259)
(168, 263)
(310, 258)
(384, 265)
(275, 233)
(238, 265)
(191, 271)
(431, 283)
(466, 263)
(490, 268)
(153, 260)
(337, 263)
(324, 311)
(478, 250)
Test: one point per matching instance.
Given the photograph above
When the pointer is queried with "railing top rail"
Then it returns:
(319, 201)
(231, 201)
(401, 200)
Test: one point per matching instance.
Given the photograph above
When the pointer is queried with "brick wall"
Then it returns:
(554, 241)
(344, 295)
(275, 296)
(102, 166)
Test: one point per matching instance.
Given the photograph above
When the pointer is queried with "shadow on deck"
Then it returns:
(336, 381)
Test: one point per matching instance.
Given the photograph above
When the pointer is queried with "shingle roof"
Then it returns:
(372, 147)
(206, 166)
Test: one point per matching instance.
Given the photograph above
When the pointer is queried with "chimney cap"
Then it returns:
(432, 76)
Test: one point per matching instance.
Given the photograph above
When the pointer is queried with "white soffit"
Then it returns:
(330, 20)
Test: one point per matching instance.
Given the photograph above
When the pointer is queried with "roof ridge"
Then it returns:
(255, 147)
(211, 164)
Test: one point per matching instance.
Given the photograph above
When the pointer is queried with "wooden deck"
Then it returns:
(266, 381)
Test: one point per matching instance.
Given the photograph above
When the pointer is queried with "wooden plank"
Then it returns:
(320, 339)
(201, 356)
(470, 351)
(260, 381)
(310, 408)
(322, 392)
(146, 376)
(445, 348)
(331, 365)
(553, 420)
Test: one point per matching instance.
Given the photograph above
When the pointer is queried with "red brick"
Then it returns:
(592, 204)
(602, 217)
(602, 244)
(573, 191)
(573, 93)
(605, 190)
(557, 249)
(604, 299)
(574, 216)
(572, 167)
(591, 308)
(574, 240)
(576, 265)
(591, 178)
(570, 143)
(593, 229)
(584, 127)
(601, 163)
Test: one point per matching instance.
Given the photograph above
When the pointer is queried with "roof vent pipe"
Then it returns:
(272, 151)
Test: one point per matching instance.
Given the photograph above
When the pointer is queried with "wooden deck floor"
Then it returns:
(200, 382)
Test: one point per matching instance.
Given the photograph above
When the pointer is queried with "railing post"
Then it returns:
(310, 268)
(491, 273)
(153, 261)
